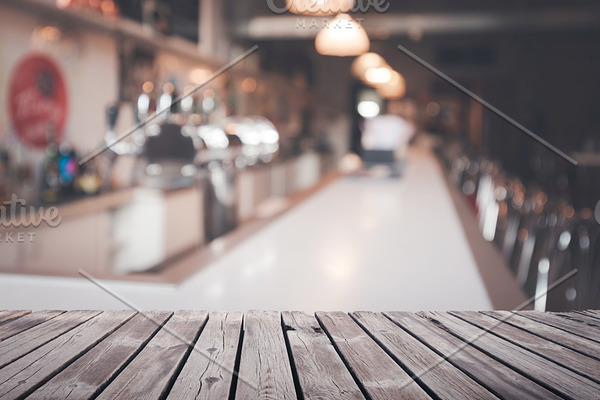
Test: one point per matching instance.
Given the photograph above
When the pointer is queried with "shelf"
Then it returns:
(119, 27)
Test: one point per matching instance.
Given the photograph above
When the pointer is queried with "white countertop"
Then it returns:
(358, 244)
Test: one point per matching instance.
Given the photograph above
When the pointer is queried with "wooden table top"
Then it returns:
(294, 355)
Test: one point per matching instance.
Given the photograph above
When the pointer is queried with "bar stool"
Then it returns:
(550, 223)
(530, 221)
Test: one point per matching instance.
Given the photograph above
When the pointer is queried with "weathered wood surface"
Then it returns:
(265, 371)
(571, 322)
(30, 371)
(89, 374)
(380, 376)
(16, 325)
(566, 357)
(208, 372)
(577, 343)
(149, 375)
(571, 384)
(295, 355)
(491, 373)
(10, 315)
(14, 347)
(321, 371)
(441, 377)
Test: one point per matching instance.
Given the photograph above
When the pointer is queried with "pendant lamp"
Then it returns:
(319, 7)
(365, 62)
(342, 37)
(395, 88)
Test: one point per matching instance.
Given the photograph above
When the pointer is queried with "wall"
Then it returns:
(89, 63)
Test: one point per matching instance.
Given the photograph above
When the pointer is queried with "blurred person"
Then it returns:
(385, 138)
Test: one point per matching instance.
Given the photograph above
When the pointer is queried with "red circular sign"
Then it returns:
(37, 100)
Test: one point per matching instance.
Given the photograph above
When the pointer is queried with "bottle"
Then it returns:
(50, 190)
(5, 175)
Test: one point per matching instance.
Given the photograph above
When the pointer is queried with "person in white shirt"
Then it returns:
(385, 138)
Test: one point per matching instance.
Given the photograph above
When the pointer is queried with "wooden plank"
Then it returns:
(380, 376)
(151, 372)
(441, 377)
(21, 344)
(492, 374)
(10, 315)
(567, 324)
(556, 353)
(28, 321)
(590, 313)
(577, 343)
(570, 384)
(29, 372)
(207, 373)
(321, 373)
(265, 371)
(91, 372)
(580, 317)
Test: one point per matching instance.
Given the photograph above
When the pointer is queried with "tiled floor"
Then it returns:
(358, 244)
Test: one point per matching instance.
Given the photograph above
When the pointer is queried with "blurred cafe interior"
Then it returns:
(300, 155)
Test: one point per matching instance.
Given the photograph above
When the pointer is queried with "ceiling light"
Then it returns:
(377, 76)
(319, 7)
(366, 61)
(368, 109)
(342, 37)
(395, 88)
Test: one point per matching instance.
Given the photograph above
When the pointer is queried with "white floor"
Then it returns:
(359, 244)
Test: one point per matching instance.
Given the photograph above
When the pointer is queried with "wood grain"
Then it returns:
(441, 377)
(150, 373)
(581, 318)
(321, 372)
(595, 313)
(265, 371)
(90, 373)
(380, 376)
(572, 323)
(294, 355)
(30, 371)
(577, 343)
(489, 372)
(562, 355)
(10, 315)
(543, 371)
(207, 373)
(13, 327)
(19, 345)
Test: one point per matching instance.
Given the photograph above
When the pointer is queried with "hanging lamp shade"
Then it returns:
(378, 76)
(395, 88)
(319, 7)
(343, 37)
(365, 62)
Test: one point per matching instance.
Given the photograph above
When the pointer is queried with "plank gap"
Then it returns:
(346, 363)
(186, 356)
(238, 360)
(396, 359)
(108, 381)
(285, 328)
